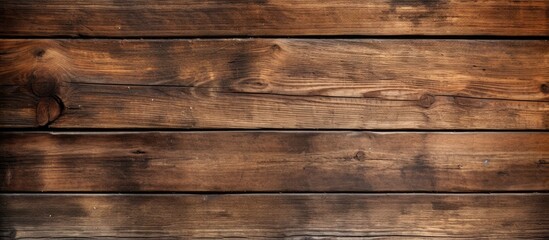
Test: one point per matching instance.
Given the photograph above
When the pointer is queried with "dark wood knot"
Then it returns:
(276, 48)
(50, 106)
(39, 52)
(47, 110)
(360, 156)
(426, 100)
(544, 88)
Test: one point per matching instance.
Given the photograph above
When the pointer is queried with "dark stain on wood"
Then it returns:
(124, 171)
(162, 57)
(13, 167)
(276, 215)
(503, 174)
(240, 66)
(7, 228)
(467, 103)
(274, 161)
(42, 216)
(430, 4)
(303, 213)
(420, 173)
(273, 18)
(445, 206)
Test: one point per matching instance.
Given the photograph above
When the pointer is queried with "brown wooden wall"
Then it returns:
(297, 119)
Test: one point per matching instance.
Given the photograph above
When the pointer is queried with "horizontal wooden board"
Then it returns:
(275, 83)
(172, 18)
(274, 161)
(298, 216)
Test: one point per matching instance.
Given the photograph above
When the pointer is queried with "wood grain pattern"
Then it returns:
(275, 83)
(296, 216)
(337, 69)
(273, 18)
(274, 162)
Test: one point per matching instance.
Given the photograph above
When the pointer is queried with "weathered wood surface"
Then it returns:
(274, 161)
(172, 18)
(275, 83)
(294, 216)
(407, 184)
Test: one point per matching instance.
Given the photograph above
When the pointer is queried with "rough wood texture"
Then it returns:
(295, 216)
(273, 18)
(274, 161)
(275, 83)
(335, 75)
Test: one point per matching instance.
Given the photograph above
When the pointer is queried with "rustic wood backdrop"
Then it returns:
(274, 119)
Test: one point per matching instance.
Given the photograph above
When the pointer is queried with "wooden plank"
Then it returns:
(172, 18)
(275, 83)
(294, 216)
(274, 162)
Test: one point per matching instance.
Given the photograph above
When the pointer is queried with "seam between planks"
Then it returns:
(334, 37)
